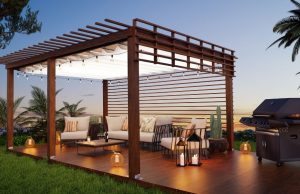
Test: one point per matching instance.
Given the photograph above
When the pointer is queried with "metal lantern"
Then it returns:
(181, 153)
(117, 159)
(245, 147)
(29, 142)
(194, 149)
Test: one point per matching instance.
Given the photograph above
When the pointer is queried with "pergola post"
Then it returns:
(10, 109)
(229, 112)
(105, 103)
(51, 94)
(133, 109)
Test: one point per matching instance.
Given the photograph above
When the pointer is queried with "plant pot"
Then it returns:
(218, 145)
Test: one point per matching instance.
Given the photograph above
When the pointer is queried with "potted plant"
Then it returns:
(217, 143)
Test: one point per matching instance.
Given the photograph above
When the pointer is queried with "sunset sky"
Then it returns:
(244, 26)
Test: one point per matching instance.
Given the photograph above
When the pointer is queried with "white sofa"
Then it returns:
(81, 132)
(162, 124)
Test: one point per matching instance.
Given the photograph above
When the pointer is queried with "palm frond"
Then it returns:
(296, 3)
(295, 49)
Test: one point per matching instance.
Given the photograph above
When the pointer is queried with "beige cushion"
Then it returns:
(199, 124)
(123, 135)
(125, 125)
(115, 123)
(146, 137)
(70, 126)
(74, 135)
(83, 122)
(163, 120)
(148, 124)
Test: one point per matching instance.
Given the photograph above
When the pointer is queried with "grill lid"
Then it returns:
(278, 108)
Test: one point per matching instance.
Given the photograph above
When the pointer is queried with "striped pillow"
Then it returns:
(71, 126)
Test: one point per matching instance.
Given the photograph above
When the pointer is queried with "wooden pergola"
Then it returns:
(200, 56)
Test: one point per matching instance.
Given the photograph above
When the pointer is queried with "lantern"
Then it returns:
(245, 147)
(181, 153)
(57, 137)
(29, 142)
(194, 149)
(117, 159)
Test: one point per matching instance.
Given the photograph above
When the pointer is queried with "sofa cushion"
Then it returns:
(125, 125)
(123, 135)
(74, 135)
(167, 143)
(70, 126)
(148, 124)
(163, 120)
(115, 123)
(199, 124)
(83, 122)
(146, 137)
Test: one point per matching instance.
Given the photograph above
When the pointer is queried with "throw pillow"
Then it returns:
(148, 124)
(125, 125)
(189, 129)
(82, 122)
(115, 123)
(70, 126)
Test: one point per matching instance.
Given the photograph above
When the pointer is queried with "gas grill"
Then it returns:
(277, 125)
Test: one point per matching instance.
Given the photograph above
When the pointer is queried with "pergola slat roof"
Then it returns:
(74, 38)
(148, 34)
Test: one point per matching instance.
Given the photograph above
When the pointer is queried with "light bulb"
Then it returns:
(97, 59)
(83, 64)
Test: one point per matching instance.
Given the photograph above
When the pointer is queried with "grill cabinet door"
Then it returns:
(267, 145)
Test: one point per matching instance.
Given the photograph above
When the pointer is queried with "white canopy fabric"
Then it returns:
(102, 63)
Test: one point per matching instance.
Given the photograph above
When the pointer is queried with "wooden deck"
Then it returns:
(225, 173)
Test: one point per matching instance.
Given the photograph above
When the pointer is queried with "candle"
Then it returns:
(88, 139)
(195, 159)
(245, 147)
(117, 158)
(181, 159)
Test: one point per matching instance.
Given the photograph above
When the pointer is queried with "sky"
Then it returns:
(244, 26)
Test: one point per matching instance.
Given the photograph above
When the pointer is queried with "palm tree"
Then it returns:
(3, 111)
(290, 28)
(72, 110)
(36, 114)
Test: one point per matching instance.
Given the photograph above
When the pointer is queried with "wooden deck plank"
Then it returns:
(228, 173)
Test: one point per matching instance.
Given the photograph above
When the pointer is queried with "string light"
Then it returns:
(97, 59)
(91, 82)
(18, 75)
(80, 80)
(68, 80)
(83, 64)
(41, 78)
(112, 58)
(27, 77)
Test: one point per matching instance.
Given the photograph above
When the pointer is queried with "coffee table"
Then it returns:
(98, 144)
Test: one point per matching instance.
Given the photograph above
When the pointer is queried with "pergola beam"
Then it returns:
(105, 102)
(133, 109)
(51, 114)
(10, 108)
